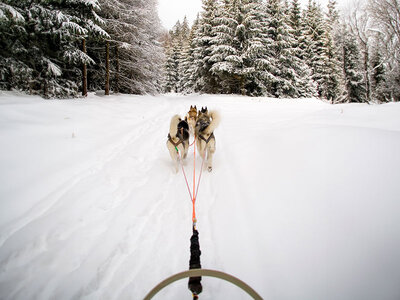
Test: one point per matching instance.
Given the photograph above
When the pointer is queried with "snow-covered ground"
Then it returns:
(303, 201)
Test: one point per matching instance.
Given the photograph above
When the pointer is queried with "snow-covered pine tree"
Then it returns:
(257, 60)
(335, 79)
(183, 44)
(351, 66)
(84, 14)
(189, 75)
(171, 70)
(172, 66)
(14, 70)
(205, 81)
(134, 28)
(185, 30)
(320, 53)
(176, 31)
(224, 55)
(386, 15)
(305, 86)
(244, 43)
(380, 88)
(295, 21)
(184, 68)
(279, 33)
(61, 28)
(287, 65)
(51, 55)
(177, 57)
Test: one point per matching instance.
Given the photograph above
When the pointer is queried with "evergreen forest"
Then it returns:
(274, 48)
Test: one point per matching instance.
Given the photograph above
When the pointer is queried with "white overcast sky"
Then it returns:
(170, 11)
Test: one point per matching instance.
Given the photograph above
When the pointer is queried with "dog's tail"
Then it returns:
(173, 127)
(215, 119)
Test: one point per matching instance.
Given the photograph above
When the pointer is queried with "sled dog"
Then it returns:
(205, 138)
(178, 140)
(191, 118)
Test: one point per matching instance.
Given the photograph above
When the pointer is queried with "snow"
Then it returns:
(16, 16)
(302, 202)
(52, 68)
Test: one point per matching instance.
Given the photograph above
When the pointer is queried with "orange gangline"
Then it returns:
(194, 180)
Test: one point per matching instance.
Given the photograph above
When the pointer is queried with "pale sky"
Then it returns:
(170, 11)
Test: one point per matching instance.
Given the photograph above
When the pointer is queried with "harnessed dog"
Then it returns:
(204, 129)
(178, 139)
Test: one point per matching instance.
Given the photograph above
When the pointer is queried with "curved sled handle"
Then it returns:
(203, 272)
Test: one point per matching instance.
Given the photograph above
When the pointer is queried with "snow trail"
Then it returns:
(302, 202)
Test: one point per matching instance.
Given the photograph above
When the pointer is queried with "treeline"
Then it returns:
(65, 48)
(274, 48)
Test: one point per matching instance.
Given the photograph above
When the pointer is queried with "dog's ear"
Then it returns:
(195, 107)
(191, 107)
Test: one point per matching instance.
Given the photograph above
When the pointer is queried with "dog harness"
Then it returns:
(183, 128)
(206, 140)
(177, 143)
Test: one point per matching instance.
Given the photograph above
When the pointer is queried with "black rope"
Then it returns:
(194, 263)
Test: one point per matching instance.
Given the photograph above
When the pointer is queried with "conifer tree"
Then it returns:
(257, 62)
(176, 62)
(15, 72)
(51, 55)
(183, 51)
(134, 28)
(227, 42)
(380, 88)
(185, 30)
(189, 74)
(222, 46)
(305, 85)
(274, 46)
(171, 70)
(288, 69)
(321, 53)
(335, 80)
(205, 80)
(296, 24)
(184, 68)
(386, 16)
(45, 55)
(351, 65)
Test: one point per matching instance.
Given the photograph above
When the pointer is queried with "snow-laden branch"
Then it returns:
(77, 56)
(7, 11)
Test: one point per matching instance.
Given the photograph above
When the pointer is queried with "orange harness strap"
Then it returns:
(194, 183)
(193, 193)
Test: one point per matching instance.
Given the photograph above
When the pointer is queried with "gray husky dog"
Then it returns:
(205, 138)
(178, 140)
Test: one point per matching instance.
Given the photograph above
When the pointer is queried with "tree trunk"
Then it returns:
(45, 88)
(107, 87)
(117, 70)
(84, 71)
(242, 89)
(367, 80)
